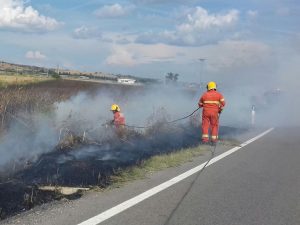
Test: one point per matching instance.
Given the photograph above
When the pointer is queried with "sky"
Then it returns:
(246, 46)
(227, 41)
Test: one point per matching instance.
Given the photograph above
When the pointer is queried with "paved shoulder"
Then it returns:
(257, 185)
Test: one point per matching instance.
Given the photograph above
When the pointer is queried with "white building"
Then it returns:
(84, 77)
(126, 81)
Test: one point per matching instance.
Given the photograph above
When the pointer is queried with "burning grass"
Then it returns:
(73, 152)
(85, 163)
(107, 164)
(20, 105)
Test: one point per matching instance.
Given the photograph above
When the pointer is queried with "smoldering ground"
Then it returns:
(83, 117)
(70, 145)
(86, 113)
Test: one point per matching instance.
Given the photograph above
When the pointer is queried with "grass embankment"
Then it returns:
(8, 80)
(156, 163)
(163, 161)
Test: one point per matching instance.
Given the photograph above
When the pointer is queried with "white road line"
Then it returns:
(147, 194)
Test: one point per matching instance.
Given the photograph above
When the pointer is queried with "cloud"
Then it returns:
(252, 14)
(84, 32)
(15, 15)
(135, 54)
(115, 10)
(35, 55)
(121, 56)
(237, 55)
(199, 28)
(162, 1)
(200, 20)
(230, 56)
(123, 41)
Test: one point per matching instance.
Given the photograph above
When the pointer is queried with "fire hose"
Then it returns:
(167, 122)
(131, 126)
(213, 150)
(190, 187)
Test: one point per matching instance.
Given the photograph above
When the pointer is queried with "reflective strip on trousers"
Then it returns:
(205, 135)
(214, 137)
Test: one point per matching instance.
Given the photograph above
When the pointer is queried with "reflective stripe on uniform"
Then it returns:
(212, 102)
(222, 100)
(214, 137)
(205, 135)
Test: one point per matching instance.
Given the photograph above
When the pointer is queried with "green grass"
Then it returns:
(229, 143)
(161, 162)
(156, 163)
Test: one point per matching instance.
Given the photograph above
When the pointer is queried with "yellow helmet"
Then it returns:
(211, 85)
(115, 107)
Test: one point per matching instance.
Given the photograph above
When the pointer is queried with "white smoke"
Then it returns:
(86, 114)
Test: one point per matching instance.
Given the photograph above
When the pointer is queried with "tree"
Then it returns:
(175, 77)
(171, 78)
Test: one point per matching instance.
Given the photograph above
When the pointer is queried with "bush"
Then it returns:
(55, 76)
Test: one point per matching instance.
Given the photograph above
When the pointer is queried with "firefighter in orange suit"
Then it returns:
(119, 120)
(212, 103)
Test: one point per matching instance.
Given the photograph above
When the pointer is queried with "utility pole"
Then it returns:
(57, 71)
(202, 61)
(1, 68)
(253, 115)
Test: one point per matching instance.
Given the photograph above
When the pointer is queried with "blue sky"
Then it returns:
(240, 40)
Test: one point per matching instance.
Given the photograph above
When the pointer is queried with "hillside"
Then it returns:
(7, 68)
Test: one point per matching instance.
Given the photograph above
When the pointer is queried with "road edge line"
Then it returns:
(149, 193)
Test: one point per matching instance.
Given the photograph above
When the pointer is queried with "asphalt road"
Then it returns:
(259, 184)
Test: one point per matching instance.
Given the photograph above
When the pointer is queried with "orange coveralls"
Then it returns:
(119, 119)
(213, 103)
(119, 122)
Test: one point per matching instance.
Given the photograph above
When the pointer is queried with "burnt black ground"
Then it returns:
(93, 164)
(90, 165)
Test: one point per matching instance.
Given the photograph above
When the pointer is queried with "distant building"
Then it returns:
(84, 77)
(126, 81)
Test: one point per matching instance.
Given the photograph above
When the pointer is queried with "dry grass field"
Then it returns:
(7, 80)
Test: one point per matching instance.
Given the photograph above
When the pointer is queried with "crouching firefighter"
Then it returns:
(118, 121)
(212, 103)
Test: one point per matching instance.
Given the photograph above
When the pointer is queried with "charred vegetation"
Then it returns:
(80, 157)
